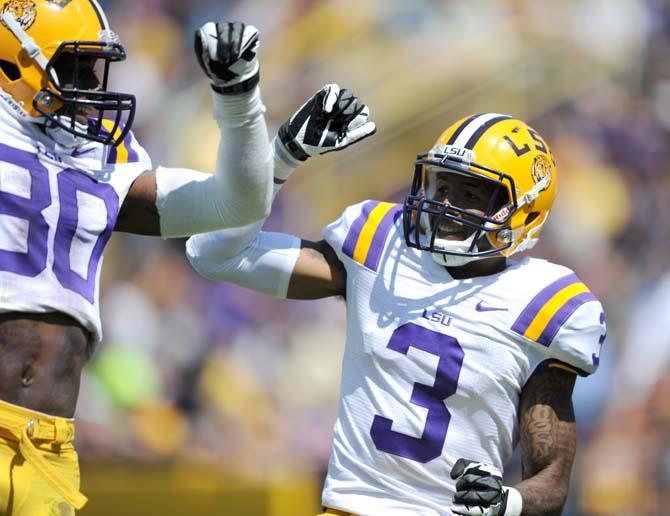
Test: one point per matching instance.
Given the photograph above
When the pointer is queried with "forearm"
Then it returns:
(239, 192)
(544, 494)
(550, 462)
(244, 167)
(548, 436)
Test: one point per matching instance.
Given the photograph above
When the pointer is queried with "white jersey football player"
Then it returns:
(71, 172)
(455, 354)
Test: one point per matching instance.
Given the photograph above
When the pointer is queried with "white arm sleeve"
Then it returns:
(263, 262)
(239, 192)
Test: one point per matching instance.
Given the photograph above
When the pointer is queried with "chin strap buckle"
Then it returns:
(534, 192)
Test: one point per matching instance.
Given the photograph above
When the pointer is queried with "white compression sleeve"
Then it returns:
(240, 191)
(263, 264)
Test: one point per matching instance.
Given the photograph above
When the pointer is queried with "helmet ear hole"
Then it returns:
(10, 70)
(531, 217)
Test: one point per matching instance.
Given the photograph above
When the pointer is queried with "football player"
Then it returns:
(455, 353)
(71, 172)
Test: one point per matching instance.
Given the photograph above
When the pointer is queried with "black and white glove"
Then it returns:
(228, 53)
(480, 492)
(331, 120)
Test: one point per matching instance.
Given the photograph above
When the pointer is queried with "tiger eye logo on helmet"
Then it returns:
(541, 168)
(24, 11)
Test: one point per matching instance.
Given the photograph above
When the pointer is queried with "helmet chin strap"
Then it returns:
(452, 246)
(63, 137)
(27, 43)
(455, 246)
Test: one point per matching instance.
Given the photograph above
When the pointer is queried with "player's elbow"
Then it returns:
(208, 269)
(199, 265)
(546, 492)
(244, 217)
(215, 256)
(245, 204)
(259, 211)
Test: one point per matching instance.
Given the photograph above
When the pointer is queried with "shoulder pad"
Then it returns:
(361, 232)
(551, 307)
(569, 321)
(129, 151)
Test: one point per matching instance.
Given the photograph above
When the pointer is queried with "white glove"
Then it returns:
(331, 120)
(228, 54)
(479, 491)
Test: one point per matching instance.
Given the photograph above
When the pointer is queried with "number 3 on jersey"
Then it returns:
(429, 445)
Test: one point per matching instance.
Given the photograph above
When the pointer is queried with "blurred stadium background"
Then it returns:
(206, 399)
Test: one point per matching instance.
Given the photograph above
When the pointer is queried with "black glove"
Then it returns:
(479, 490)
(228, 54)
(329, 121)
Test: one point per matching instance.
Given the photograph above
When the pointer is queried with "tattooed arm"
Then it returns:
(548, 438)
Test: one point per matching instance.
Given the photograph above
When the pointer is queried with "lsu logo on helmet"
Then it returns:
(541, 168)
(24, 12)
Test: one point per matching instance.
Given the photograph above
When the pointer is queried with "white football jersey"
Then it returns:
(433, 367)
(58, 209)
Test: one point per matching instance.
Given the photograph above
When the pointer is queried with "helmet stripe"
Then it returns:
(471, 127)
(482, 129)
(460, 129)
(100, 14)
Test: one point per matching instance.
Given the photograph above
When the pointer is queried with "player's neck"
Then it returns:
(479, 268)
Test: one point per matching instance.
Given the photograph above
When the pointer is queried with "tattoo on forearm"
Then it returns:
(548, 437)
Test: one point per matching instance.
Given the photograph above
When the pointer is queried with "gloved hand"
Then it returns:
(331, 120)
(480, 492)
(228, 54)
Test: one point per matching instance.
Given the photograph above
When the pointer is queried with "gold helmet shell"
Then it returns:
(498, 149)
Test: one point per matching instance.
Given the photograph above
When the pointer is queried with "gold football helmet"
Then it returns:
(54, 67)
(508, 155)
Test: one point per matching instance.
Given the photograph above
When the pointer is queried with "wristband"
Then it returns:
(514, 502)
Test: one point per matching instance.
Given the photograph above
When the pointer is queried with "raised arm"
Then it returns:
(178, 202)
(278, 264)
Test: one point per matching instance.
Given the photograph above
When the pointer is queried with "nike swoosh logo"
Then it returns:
(77, 154)
(481, 308)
